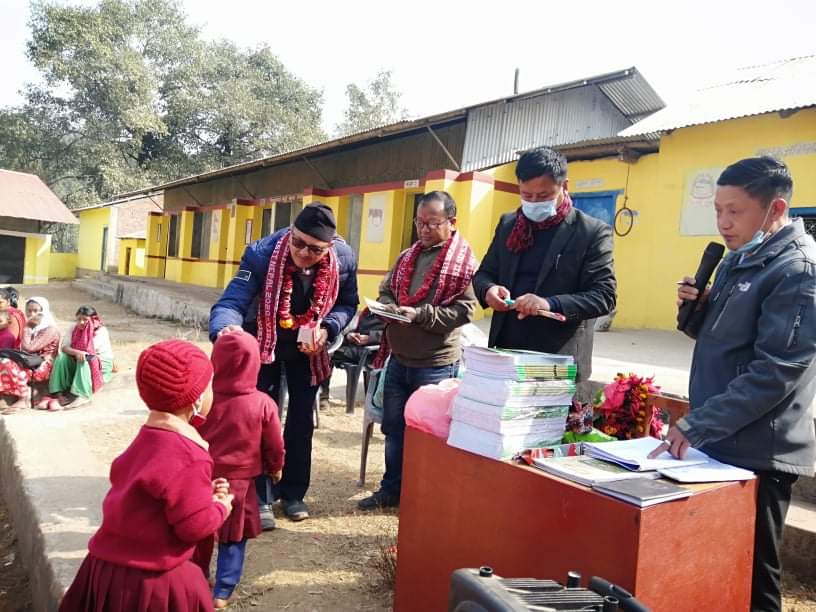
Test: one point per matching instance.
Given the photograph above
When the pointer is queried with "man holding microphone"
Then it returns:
(753, 376)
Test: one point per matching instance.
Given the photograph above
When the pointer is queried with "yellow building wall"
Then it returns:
(138, 259)
(37, 259)
(671, 255)
(91, 224)
(376, 258)
(62, 265)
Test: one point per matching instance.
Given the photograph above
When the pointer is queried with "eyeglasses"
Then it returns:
(313, 249)
(420, 225)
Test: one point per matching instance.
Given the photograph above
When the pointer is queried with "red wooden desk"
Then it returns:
(462, 510)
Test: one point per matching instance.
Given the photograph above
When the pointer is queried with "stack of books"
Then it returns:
(511, 400)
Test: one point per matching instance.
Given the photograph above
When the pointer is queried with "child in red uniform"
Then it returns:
(162, 500)
(244, 434)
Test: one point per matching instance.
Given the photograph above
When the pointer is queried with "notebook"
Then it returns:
(517, 364)
(586, 470)
(381, 311)
(512, 393)
(507, 420)
(493, 445)
(633, 454)
(643, 492)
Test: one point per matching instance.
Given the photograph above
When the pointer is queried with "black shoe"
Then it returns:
(295, 509)
(324, 403)
(379, 499)
(267, 518)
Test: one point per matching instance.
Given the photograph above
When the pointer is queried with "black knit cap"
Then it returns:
(317, 220)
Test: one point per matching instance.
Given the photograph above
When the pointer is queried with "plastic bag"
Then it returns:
(428, 408)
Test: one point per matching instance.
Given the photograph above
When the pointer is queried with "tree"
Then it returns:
(376, 105)
(133, 96)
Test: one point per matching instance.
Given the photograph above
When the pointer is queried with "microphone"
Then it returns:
(711, 257)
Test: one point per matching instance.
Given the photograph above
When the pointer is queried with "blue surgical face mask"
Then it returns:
(756, 240)
(538, 211)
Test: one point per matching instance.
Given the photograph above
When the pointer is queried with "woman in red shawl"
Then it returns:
(17, 320)
(85, 363)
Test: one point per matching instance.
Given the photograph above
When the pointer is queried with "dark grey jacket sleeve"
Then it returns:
(597, 283)
(488, 273)
(784, 349)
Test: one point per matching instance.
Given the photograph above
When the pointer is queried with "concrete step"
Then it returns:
(799, 542)
(150, 300)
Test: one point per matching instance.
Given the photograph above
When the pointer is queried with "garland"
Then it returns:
(406, 273)
(321, 291)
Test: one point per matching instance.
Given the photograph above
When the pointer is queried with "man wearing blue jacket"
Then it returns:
(753, 375)
(296, 291)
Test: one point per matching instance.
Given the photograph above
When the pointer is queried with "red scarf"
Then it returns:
(523, 235)
(454, 267)
(21, 325)
(82, 340)
(268, 309)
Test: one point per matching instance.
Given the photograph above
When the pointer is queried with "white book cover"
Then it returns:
(633, 454)
(710, 471)
(508, 420)
(504, 392)
(489, 444)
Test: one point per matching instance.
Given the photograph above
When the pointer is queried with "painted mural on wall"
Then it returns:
(375, 218)
(698, 217)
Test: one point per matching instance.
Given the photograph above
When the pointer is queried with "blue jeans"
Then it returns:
(228, 568)
(400, 382)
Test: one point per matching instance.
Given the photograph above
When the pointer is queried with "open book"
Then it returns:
(381, 310)
(633, 454)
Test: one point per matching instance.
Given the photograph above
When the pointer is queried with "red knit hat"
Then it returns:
(172, 374)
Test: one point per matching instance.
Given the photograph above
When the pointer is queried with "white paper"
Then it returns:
(710, 471)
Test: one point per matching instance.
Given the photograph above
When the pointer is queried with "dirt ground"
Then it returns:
(325, 563)
(328, 562)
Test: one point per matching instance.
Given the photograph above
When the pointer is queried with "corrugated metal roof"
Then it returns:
(497, 132)
(25, 196)
(557, 116)
(785, 85)
(626, 89)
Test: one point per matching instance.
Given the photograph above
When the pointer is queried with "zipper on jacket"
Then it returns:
(725, 305)
(793, 339)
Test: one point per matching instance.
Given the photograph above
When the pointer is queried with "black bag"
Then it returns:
(30, 361)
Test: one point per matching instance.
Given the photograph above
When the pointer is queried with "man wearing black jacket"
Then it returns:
(547, 255)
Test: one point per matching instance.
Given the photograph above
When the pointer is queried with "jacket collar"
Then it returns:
(170, 422)
(795, 230)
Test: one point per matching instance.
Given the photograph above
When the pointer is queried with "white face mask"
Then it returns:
(538, 211)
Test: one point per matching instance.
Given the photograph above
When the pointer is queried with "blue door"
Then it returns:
(598, 204)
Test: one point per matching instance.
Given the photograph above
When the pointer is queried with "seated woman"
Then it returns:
(17, 320)
(40, 337)
(84, 364)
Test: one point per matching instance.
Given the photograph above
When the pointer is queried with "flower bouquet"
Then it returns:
(626, 410)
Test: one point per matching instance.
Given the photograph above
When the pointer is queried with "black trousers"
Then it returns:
(773, 499)
(299, 427)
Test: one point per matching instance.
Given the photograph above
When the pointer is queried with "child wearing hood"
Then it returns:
(244, 433)
(162, 500)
